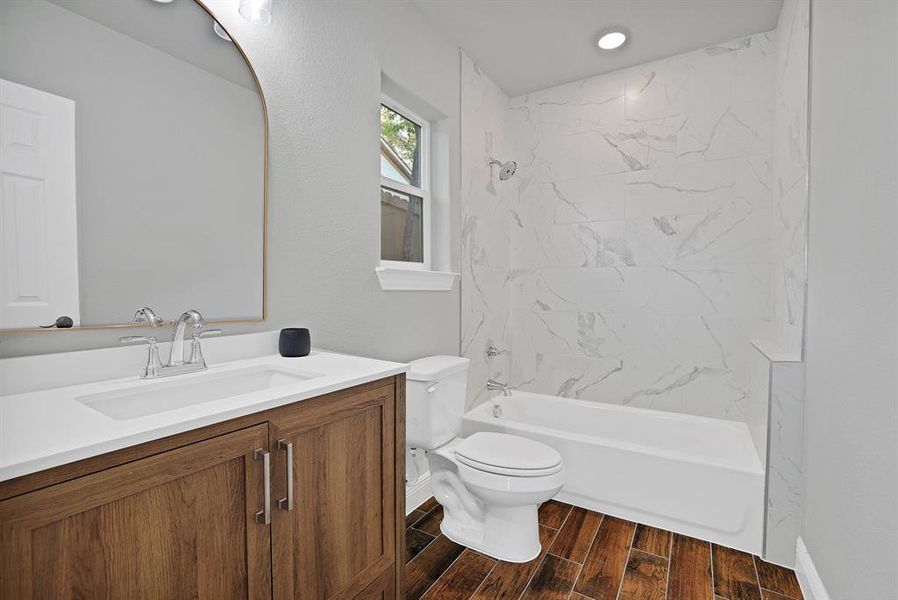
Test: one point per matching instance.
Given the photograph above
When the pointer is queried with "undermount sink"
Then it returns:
(162, 396)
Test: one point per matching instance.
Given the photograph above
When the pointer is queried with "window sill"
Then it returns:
(414, 280)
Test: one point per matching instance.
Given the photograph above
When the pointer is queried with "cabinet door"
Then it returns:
(179, 524)
(382, 589)
(340, 534)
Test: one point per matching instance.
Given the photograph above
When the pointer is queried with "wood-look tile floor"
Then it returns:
(588, 556)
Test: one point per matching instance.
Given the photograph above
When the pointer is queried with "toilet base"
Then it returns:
(495, 514)
(508, 533)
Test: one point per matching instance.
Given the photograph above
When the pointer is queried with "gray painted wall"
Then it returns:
(851, 411)
(320, 67)
(169, 165)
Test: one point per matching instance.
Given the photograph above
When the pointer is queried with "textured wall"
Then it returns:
(851, 410)
(320, 66)
(640, 242)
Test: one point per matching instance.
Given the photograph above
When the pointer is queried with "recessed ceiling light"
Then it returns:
(611, 39)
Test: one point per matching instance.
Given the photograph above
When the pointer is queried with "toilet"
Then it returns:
(489, 484)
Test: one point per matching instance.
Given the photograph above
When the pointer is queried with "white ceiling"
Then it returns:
(182, 29)
(527, 45)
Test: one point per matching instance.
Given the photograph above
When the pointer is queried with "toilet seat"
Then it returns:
(509, 455)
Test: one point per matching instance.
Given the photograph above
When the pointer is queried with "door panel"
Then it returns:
(340, 534)
(38, 228)
(178, 524)
(382, 589)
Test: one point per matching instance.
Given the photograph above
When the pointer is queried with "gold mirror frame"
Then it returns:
(264, 220)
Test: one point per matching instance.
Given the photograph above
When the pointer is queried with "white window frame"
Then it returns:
(422, 192)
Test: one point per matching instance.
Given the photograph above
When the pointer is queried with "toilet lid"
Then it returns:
(508, 454)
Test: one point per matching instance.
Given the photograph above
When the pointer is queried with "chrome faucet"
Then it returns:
(193, 317)
(492, 384)
(146, 315)
(177, 363)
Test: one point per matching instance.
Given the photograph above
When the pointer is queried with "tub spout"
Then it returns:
(492, 384)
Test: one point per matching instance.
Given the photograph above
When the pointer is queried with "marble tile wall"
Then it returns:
(783, 402)
(790, 173)
(640, 237)
(486, 224)
(785, 482)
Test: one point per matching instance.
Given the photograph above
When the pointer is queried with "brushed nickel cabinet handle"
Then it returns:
(264, 516)
(287, 503)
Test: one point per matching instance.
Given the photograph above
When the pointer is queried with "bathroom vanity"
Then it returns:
(290, 490)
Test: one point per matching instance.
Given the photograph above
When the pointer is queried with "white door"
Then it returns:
(38, 226)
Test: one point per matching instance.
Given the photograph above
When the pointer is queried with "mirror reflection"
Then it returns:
(133, 165)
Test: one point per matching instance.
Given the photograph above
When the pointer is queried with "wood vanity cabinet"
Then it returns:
(184, 517)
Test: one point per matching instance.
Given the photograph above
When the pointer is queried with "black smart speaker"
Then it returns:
(294, 342)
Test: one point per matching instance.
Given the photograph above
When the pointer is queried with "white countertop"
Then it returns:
(50, 427)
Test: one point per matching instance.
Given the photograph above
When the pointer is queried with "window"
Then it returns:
(404, 187)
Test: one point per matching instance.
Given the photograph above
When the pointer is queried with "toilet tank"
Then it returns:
(435, 400)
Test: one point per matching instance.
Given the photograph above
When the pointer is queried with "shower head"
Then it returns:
(506, 169)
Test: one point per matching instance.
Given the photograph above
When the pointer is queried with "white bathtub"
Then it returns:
(693, 475)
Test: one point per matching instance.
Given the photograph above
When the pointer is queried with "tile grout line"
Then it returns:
(446, 570)
(482, 581)
(574, 584)
(426, 546)
(763, 589)
(644, 552)
(424, 516)
(588, 551)
(549, 553)
(425, 532)
(623, 574)
(754, 563)
(539, 566)
(543, 559)
(669, 563)
(558, 531)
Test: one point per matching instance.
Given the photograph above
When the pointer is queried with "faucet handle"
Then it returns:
(154, 365)
(205, 332)
(196, 350)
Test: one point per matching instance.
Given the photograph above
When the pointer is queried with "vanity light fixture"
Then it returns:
(257, 12)
(612, 39)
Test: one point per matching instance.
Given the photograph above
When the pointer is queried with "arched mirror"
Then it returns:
(133, 160)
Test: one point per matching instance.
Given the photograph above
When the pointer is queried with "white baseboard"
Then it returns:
(417, 493)
(811, 585)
